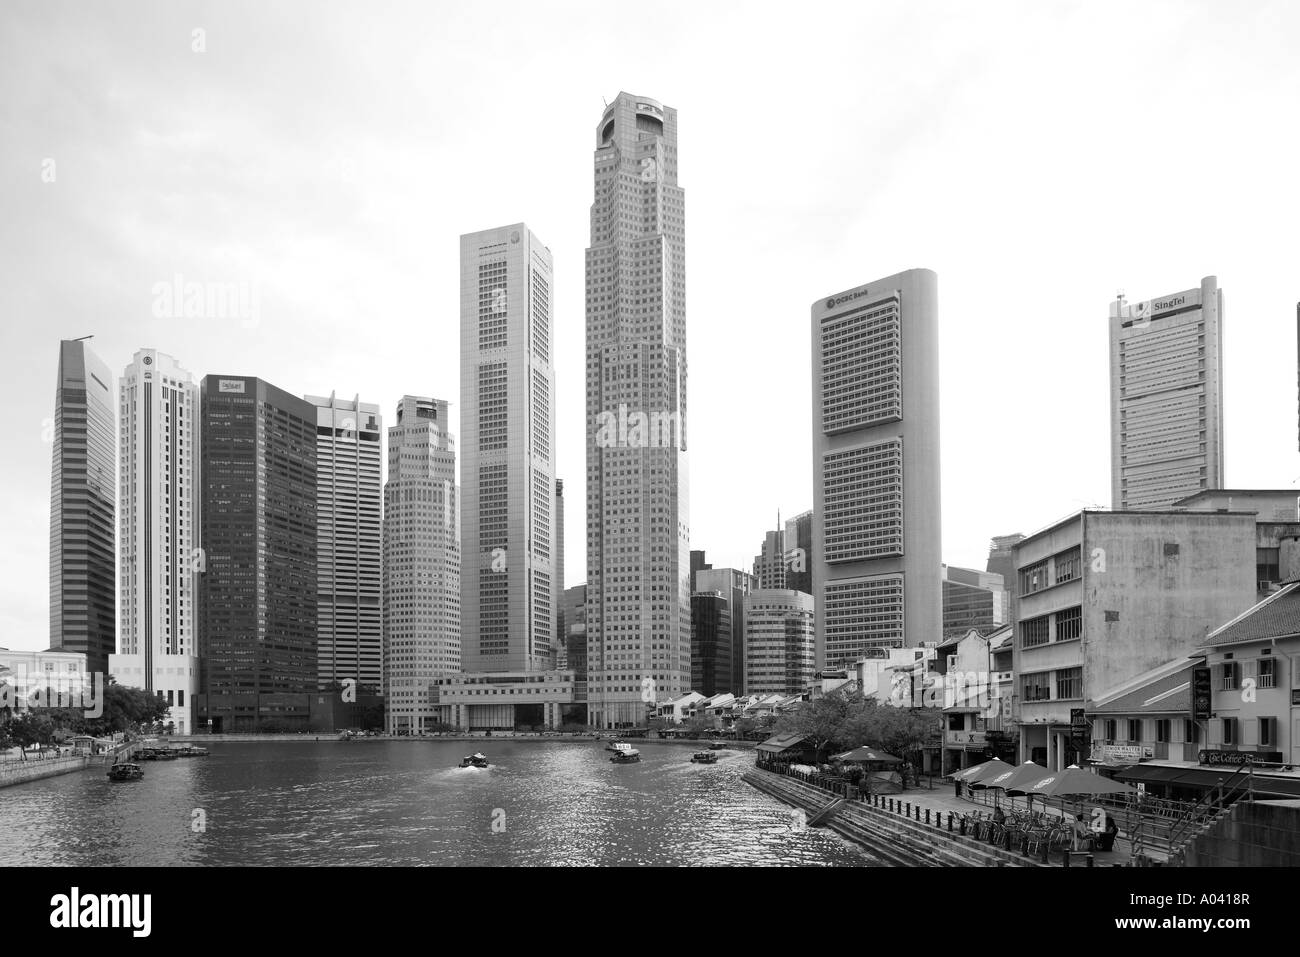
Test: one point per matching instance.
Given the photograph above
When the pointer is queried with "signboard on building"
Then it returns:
(1240, 757)
(1201, 694)
(1121, 753)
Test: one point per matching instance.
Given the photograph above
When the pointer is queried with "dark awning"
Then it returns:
(1207, 778)
(782, 742)
(1152, 774)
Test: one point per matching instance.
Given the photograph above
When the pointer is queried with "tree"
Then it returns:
(126, 709)
(31, 728)
(820, 721)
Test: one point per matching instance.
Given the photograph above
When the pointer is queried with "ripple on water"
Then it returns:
(406, 802)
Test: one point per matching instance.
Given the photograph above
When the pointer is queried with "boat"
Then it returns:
(125, 772)
(619, 747)
(630, 755)
(475, 760)
(191, 751)
(718, 746)
(704, 757)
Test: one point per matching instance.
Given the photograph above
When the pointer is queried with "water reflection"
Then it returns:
(405, 802)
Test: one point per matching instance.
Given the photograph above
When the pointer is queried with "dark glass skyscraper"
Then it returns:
(257, 594)
(83, 480)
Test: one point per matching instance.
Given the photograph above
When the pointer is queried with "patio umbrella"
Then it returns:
(867, 754)
(977, 771)
(1011, 777)
(1073, 781)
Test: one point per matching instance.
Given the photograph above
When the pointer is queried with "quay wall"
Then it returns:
(890, 836)
(1251, 834)
(33, 769)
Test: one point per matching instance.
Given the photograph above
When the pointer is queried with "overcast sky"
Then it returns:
(1038, 156)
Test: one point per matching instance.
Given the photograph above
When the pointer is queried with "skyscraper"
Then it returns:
(83, 606)
(711, 651)
(798, 552)
(1166, 397)
(558, 638)
(349, 540)
(511, 591)
(421, 564)
(769, 563)
(158, 535)
(875, 363)
(973, 599)
(779, 641)
(733, 585)
(257, 594)
(638, 527)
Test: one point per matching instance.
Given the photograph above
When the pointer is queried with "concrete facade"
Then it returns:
(780, 637)
(159, 559)
(638, 516)
(349, 542)
(422, 596)
(876, 534)
(1103, 596)
(511, 538)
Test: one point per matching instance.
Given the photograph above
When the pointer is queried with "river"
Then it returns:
(406, 803)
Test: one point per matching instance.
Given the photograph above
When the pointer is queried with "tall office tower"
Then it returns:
(1166, 397)
(780, 638)
(349, 542)
(83, 576)
(711, 650)
(876, 574)
(158, 534)
(257, 594)
(769, 563)
(638, 526)
(574, 634)
(507, 435)
(698, 564)
(798, 552)
(421, 565)
(973, 599)
(559, 573)
(733, 585)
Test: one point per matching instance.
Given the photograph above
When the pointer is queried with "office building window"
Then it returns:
(1037, 687)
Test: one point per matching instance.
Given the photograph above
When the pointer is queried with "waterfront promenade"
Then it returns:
(925, 818)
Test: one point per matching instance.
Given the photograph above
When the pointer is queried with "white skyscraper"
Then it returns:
(510, 546)
(158, 554)
(638, 529)
(349, 540)
(421, 564)
(1166, 397)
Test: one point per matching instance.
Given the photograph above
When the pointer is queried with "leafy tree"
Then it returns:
(31, 728)
(821, 721)
(126, 709)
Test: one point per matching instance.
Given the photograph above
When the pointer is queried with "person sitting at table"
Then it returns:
(999, 816)
(1082, 835)
(1106, 839)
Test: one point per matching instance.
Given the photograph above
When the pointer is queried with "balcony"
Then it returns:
(968, 740)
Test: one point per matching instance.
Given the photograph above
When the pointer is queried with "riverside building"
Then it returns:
(876, 533)
(638, 526)
(159, 560)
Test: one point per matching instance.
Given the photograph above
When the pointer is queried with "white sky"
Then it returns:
(1038, 156)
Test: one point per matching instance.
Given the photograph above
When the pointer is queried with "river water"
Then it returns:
(406, 803)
